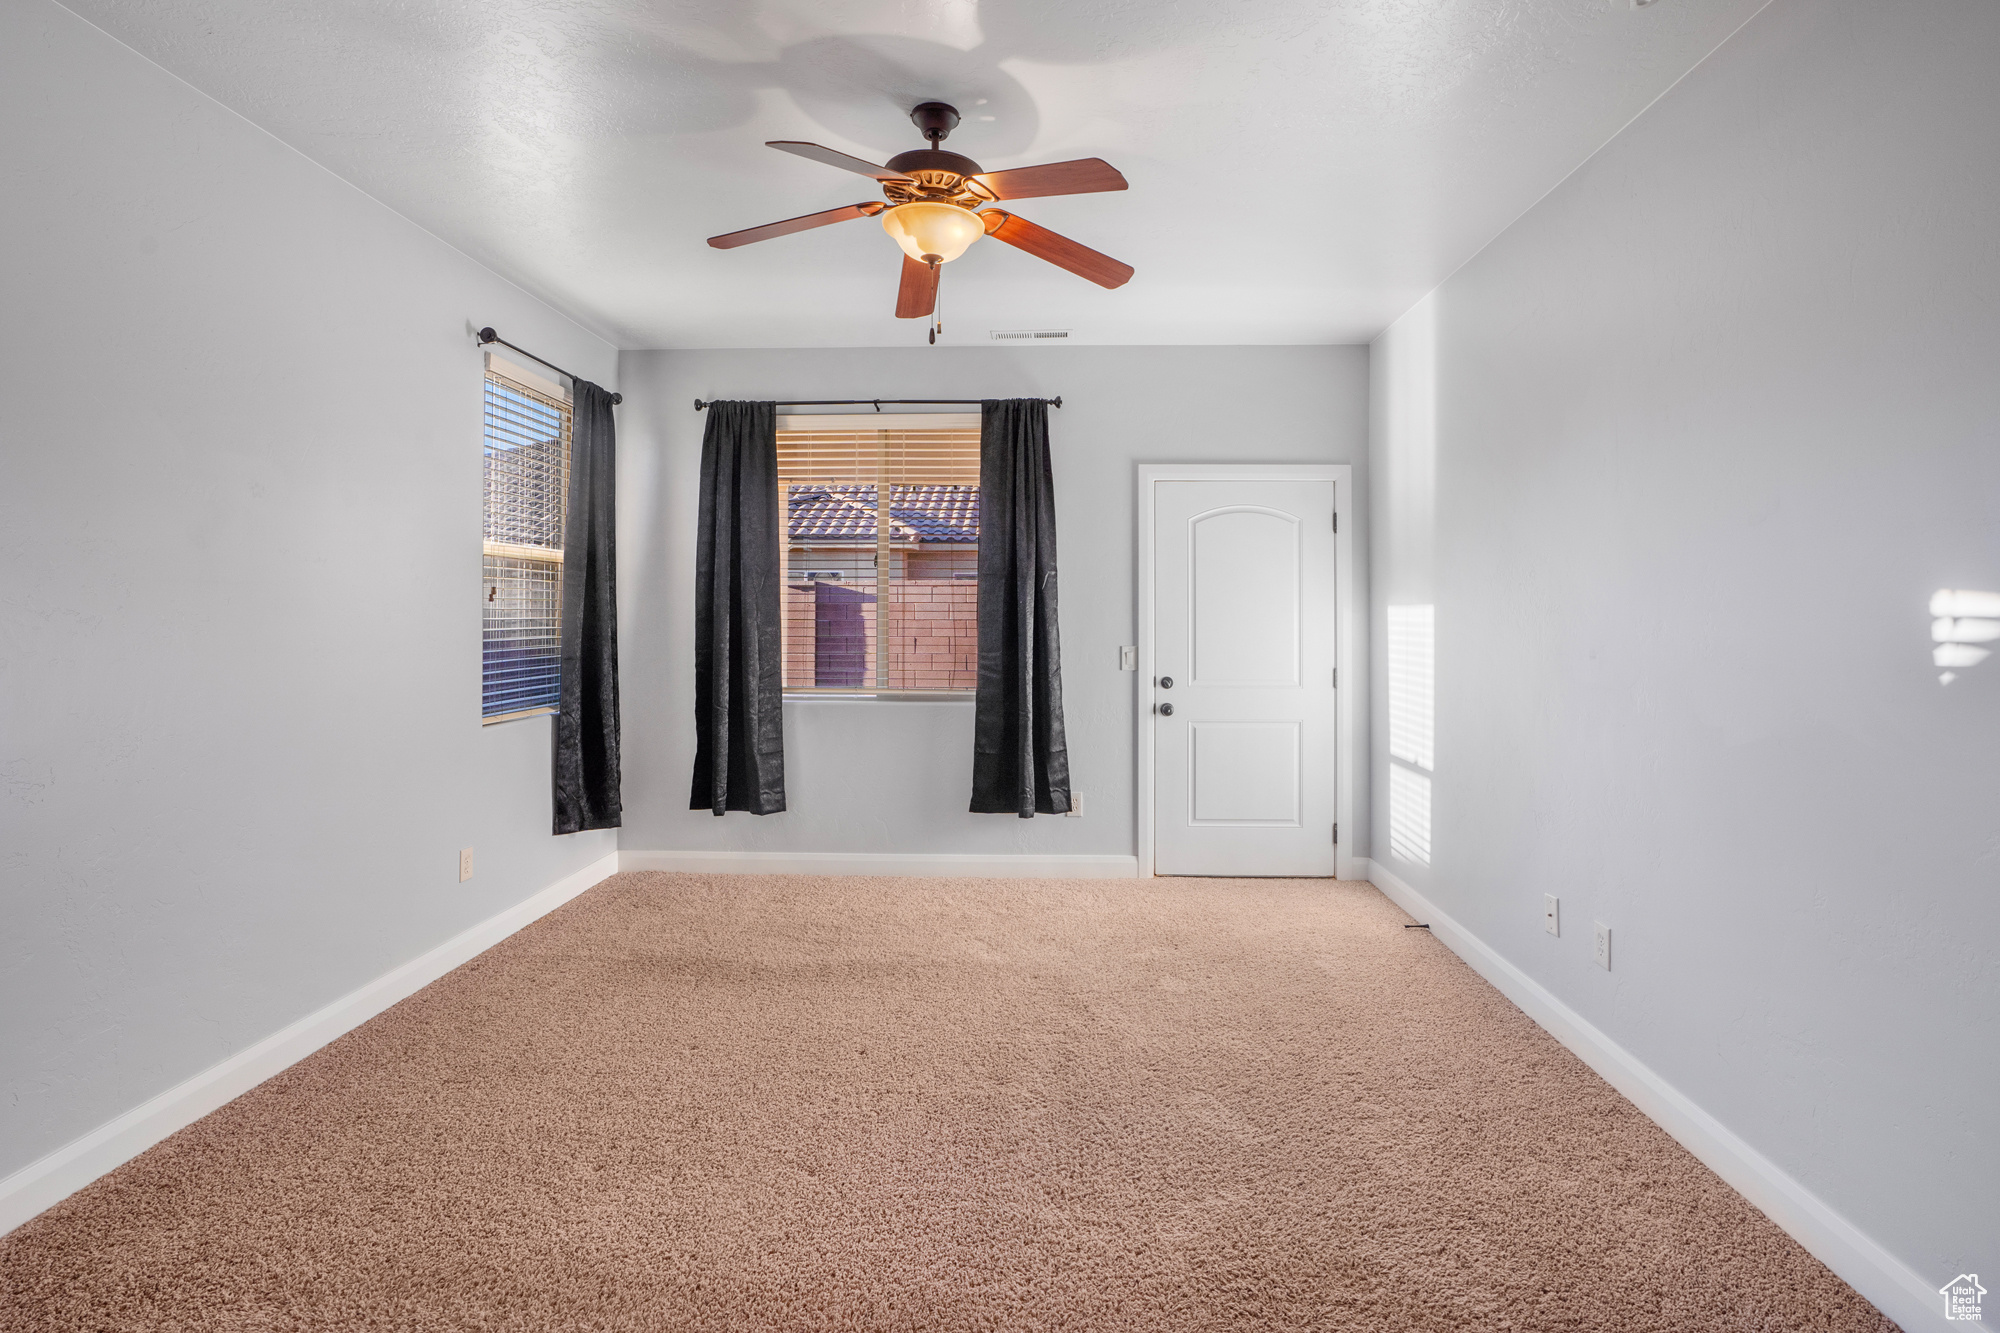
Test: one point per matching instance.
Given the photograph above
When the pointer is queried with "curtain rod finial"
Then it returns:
(617, 398)
(487, 335)
(698, 404)
(1056, 401)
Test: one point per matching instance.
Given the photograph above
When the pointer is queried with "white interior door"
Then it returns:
(1243, 677)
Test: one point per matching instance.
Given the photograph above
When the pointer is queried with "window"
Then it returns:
(1412, 656)
(881, 553)
(527, 471)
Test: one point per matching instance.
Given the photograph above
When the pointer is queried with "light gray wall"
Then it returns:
(1402, 504)
(239, 621)
(1711, 424)
(883, 776)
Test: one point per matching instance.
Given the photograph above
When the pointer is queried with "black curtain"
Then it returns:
(739, 756)
(1020, 762)
(585, 768)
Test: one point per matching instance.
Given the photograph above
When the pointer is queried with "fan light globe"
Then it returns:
(929, 228)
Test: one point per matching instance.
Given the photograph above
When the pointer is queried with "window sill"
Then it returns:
(544, 711)
(880, 696)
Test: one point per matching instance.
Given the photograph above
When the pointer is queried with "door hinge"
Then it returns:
(1336, 678)
(1336, 835)
(1336, 520)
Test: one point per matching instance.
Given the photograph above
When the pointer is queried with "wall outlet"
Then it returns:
(1550, 923)
(1601, 950)
(464, 864)
(1128, 657)
(1075, 810)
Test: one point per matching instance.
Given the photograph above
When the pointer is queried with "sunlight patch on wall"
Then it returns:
(1412, 649)
(1409, 814)
(1963, 619)
(1412, 662)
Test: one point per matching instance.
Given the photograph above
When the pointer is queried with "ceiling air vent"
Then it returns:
(1021, 335)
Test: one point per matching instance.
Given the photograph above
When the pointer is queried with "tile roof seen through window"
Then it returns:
(820, 513)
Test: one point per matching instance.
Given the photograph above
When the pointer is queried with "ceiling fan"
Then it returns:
(939, 203)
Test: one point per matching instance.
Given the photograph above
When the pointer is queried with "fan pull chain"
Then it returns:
(937, 301)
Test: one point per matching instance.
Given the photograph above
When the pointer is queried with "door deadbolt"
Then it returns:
(1166, 682)
(1166, 710)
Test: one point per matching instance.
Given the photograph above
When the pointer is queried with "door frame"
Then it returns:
(1349, 645)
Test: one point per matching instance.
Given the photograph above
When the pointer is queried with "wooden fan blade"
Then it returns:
(730, 240)
(1086, 175)
(917, 296)
(833, 159)
(1057, 249)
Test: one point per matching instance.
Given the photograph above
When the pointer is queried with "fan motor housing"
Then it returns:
(932, 159)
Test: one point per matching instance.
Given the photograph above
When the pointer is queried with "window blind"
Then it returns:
(882, 553)
(527, 471)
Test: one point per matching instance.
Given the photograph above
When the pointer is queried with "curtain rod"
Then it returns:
(487, 335)
(863, 402)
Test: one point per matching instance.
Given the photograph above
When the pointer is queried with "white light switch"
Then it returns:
(1602, 951)
(1549, 914)
(464, 864)
(1128, 657)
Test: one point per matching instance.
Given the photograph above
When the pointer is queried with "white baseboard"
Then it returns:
(955, 864)
(50, 1179)
(1857, 1259)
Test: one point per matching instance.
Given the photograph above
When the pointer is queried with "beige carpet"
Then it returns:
(731, 1102)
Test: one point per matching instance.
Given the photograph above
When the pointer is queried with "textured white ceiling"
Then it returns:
(1301, 170)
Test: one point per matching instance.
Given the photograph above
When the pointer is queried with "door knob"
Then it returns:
(1166, 682)
(1166, 710)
